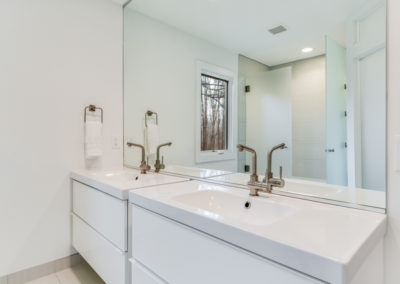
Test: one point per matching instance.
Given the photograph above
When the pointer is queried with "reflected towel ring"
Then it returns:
(92, 108)
(148, 115)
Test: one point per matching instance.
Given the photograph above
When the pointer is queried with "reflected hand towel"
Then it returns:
(152, 138)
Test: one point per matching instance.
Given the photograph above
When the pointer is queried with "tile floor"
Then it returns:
(80, 274)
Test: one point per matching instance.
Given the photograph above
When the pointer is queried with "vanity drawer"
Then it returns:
(182, 255)
(104, 213)
(141, 275)
(107, 260)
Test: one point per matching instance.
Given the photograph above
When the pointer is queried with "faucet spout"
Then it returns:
(269, 181)
(268, 174)
(143, 165)
(253, 177)
(160, 165)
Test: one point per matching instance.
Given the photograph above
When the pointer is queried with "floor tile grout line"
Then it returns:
(58, 279)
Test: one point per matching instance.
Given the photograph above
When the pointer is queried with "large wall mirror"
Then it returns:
(209, 75)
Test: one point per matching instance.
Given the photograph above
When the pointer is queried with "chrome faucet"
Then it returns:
(269, 181)
(159, 166)
(269, 176)
(254, 176)
(144, 167)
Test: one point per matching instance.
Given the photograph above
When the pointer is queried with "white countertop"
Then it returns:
(360, 196)
(325, 241)
(118, 182)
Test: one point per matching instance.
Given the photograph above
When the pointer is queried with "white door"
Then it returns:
(269, 118)
(366, 53)
(373, 120)
(336, 136)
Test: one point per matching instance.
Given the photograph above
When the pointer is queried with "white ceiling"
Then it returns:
(242, 25)
(121, 2)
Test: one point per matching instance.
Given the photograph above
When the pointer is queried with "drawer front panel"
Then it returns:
(108, 261)
(106, 214)
(182, 255)
(141, 275)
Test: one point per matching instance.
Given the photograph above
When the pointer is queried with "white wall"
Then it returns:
(160, 75)
(308, 114)
(249, 67)
(57, 56)
(392, 240)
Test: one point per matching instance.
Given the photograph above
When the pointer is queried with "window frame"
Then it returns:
(227, 75)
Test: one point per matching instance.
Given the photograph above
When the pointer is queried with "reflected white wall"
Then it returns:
(160, 75)
(308, 114)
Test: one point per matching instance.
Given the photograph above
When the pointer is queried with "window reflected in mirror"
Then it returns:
(214, 102)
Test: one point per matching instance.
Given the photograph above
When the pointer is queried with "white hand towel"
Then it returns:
(93, 139)
(152, 139)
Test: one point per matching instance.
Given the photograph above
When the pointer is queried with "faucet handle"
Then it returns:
(280, 172)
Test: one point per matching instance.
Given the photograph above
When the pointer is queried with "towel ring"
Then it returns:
(147, 116)
(92, 108)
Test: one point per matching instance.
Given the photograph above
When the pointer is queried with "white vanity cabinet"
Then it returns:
(179, 254)
(106, 214)
(197, 232)
(100, 231)
(100, 218)
(142, 275)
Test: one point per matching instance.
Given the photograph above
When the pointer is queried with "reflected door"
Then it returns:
(372, 119)
(336, 138)
(269, 118)
(366, 53)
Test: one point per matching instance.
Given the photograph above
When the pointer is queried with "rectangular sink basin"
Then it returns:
(118, 182)
(244, 210)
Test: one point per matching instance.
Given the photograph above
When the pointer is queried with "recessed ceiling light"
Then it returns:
(307, 49)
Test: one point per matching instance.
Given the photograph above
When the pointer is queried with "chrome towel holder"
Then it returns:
(92, 108)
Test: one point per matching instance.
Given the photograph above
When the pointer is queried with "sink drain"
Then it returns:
(247, 205)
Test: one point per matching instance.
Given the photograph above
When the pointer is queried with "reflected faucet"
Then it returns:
(143, 165)
(269, 181)
(268, 173)
(159, 166)
(269, 177)
(253, 177)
